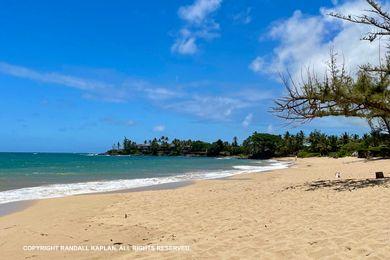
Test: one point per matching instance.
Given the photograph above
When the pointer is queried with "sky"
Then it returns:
(77, 76)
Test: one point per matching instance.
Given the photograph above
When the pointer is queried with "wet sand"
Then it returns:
(299, 213)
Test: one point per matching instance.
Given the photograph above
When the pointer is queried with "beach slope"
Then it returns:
(299, 212)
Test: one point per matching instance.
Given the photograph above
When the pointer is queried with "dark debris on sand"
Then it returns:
(343, 185)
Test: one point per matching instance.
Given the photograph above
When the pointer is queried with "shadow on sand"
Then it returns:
(343, 185)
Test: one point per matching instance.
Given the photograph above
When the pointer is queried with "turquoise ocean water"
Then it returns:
(26, 176)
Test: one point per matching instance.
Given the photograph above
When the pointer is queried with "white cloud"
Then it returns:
(243, 17)
(185, 45)
(257, 64)
(178, 99)
(52, 77)
(199, 10)
(247, 120)
(199, 24)
(129, 123)
(270, 129)
(92, 89)
(217, 108)
(161, 93)
(156, 93)
(340, 122)
(117, 122)
(304, 42)
(159, 128)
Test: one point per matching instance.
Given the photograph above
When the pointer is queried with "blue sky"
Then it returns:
(76, 76)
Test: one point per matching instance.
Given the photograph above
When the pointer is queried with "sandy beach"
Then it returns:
(300, 212)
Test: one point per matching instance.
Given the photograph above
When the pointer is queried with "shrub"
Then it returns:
(351, 147)
(338, 154)
(261, 146)
(379, 151)
(306, 154)
(376, 151)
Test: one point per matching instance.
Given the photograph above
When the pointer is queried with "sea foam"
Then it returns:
(62, 190)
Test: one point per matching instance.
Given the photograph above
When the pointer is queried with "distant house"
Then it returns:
(186, 149)
(143, 147)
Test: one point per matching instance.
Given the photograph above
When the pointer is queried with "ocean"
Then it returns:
(28, 176)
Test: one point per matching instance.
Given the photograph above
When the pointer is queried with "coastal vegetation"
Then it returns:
(338, 93)
(365, 95)
(264, 145)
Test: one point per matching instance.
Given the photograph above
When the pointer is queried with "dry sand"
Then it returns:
(274, 215)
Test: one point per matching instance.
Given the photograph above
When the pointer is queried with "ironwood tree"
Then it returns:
(338, 94)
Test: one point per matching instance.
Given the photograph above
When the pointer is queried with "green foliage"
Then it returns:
(291, 144)
(338, 93)
(306, 154)
(237, 150)
(262, 146)
(351, 147)
(216, 148)
(376, 151)
(381, 151)
(199, 147)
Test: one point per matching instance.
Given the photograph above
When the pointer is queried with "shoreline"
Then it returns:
(298, 212)
(17, 206)
(13, 206)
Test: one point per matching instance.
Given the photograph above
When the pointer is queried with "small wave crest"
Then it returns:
(62, 190)
(274, 165)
